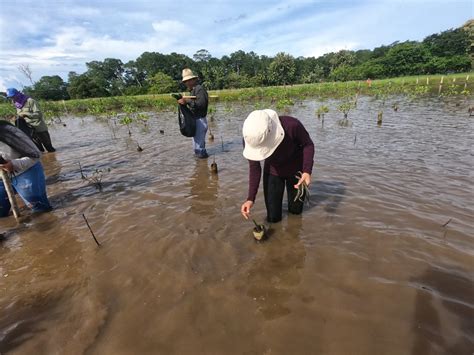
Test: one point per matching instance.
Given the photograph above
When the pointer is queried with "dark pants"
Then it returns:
(41, 139)
(273, 189)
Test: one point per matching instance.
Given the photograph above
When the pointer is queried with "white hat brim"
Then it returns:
(186, 78)
(264, 152)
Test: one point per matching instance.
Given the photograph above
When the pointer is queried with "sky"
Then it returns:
(54, 37)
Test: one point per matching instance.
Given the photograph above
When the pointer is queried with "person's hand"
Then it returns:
(182, 101)
(245, 209)
(304, 177)
(8, 166)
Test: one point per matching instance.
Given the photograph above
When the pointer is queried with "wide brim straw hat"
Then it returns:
(262, 133)
(188, 74)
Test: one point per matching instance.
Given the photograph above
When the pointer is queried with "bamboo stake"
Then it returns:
(11, 195)
(90, 230)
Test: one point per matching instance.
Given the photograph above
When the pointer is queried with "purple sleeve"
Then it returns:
(255, 172)
(305, 141)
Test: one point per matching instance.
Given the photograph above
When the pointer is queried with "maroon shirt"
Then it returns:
(295, 153)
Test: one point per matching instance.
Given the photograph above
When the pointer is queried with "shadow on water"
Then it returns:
(203, 190)
(327, 193)
(23, 321)
(456, 294)
(274, 275)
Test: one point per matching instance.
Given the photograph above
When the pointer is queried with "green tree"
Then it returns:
(282, 69)
(448, 43)
(407, 58)
(50, 88)
(162, 83)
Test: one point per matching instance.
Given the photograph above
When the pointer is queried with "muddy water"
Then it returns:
(367, 269)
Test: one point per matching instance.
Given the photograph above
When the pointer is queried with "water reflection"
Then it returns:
(204, 187)
(52, 167)
(275, 273)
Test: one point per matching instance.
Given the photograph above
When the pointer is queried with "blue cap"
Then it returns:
(11, 92)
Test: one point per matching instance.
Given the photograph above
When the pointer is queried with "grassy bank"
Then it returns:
(442, 85)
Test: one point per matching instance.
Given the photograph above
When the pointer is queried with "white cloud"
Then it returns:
(170, 28)
(64, 35)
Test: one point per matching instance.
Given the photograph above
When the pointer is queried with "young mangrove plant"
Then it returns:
(95, 179)
(345, 108)
(321, 111)
(259, 231)
(379, 118)
(214, 166)
(302, 194)
(211, 136)
(127, 121)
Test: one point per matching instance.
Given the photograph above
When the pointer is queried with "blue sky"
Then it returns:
(56, 37)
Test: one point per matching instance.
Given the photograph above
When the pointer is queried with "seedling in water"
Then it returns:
(214, 166)
(379, 118)
(259, 231)
(302, 194)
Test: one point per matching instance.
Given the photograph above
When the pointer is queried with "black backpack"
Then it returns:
(187, 122)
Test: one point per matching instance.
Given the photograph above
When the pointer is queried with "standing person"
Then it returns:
(198, 107)
(30, 119)
(286, 147)
(22, 158)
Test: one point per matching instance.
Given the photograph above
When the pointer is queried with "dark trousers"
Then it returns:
(273, 189)
(41, 139)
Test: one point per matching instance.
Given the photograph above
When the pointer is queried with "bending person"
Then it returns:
(287, 149)
(30, 119)
(21, 158)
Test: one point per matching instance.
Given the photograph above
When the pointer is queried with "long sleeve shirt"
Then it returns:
(198, 106)
(20, 164)
(295, 153)
(32, 115)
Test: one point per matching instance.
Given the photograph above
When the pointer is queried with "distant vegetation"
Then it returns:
(277, 97)
(156, 73)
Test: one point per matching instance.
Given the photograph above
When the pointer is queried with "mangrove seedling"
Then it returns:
(211, 136)
(379, 118)
(259, 231)
(127, 121)
(302, 194)
(139, 149)
(214, 166)
(323, 109)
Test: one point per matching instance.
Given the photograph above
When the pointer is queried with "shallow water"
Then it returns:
(367, 269)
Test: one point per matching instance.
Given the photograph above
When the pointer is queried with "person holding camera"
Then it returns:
(198, 106)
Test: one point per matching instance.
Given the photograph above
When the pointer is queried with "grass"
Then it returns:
(413, 86)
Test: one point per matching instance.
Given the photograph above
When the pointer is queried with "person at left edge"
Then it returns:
(21, 158)
(30, 117)
(198, 107)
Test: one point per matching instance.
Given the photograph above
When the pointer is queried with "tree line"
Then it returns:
(155, 73)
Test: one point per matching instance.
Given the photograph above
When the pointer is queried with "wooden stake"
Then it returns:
(90, 229)
(11, 195)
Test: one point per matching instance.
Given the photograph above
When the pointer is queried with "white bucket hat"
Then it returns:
(188, 75)
(262, 133)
